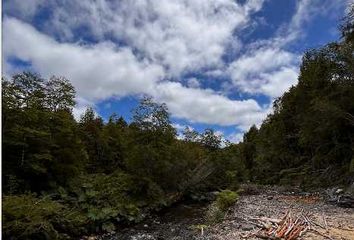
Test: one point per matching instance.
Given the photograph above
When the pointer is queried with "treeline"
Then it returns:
(65, 178)
(309, 139)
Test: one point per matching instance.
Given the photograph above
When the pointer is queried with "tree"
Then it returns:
(37, 141)
(114, 143)
(28, 90)
(60, 93)
(308, 139)
(91, 127)
(249, 147)
(152, 116)
(190, 135)
(210, 140)
(347, 26)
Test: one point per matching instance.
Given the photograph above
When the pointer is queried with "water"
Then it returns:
(179, 221)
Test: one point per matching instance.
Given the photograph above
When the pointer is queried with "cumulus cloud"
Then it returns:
(199, 105)
(267, 67)
(305, 11)
(266, 70)
(102, 71)
(24, 9)
(151, 47)
(181, 35)
(97, 71)
(235, 137)
(193, 83)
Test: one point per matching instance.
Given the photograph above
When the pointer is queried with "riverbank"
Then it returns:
(187, 220)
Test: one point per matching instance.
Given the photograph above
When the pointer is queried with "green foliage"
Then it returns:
(152, 116)
(214, 214)
(309, 137)
(63, 178)
(60, 94)
(109, 198)
(41, 144)
(27, 216)
(210, 140)
(225, 199)
(218, 209)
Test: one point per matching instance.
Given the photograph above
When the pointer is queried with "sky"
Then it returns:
(215, 63)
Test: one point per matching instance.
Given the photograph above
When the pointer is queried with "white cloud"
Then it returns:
(180, 35)
(178, 126)
(305, 11)
(261, 71)
(193, 83)
(199, 105)
(266, 67)
(102, 71)
(277, 82)
(235, 137)
(97, 71)
(144, 44)
(25, 9)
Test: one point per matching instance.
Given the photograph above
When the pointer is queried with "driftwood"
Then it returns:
(290, 227)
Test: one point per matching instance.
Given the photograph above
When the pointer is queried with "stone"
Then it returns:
(247, 227)
(339, 191)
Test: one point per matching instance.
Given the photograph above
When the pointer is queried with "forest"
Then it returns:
(64, 178)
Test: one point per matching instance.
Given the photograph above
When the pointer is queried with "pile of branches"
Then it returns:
(290, 227)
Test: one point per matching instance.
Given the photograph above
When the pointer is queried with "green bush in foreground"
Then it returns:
(29, 217)
(224, 200)
(96, 203)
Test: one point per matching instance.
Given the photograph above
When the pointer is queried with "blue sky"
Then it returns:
(217, 64)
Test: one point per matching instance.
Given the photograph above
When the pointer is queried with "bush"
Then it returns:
(217, 210)
(95, 202)
(27, 216)
(226, 199)
(107, 199)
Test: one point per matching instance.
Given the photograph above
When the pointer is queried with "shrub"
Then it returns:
(95, 202)
(27, 216)
(217, 210)
(226, 199)
(107, 199)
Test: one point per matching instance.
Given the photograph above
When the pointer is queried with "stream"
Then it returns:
(179, 221)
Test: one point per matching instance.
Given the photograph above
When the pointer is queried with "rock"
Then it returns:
(270, 197)
(338, 197)
(143, 236)
(339, 191)
(345, 201)
(247, 227)
(146, 226)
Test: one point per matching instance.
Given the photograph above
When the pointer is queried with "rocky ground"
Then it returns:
(187, 221)
(329, 221)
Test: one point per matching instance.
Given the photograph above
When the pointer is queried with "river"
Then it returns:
(180, 221)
